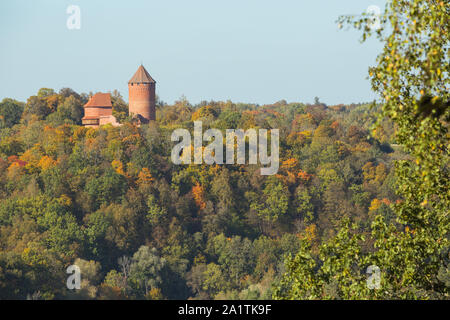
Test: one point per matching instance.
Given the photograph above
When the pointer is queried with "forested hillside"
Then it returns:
(110, 200)
(359, 208)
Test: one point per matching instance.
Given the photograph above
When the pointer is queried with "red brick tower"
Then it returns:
(141, 94)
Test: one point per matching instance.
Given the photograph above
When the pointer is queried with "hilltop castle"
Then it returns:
(142, 102)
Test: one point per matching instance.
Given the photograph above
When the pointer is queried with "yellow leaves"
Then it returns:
(368, 171)
(409, 230)
(434, 99)
(46, 162)
(374, 174)
(32, 157)
(33, 257)
(155, 294)
(65, 200)
(132, 139)
(306, 133)
(91, 133)
(361, 147)
(300, 137)
(311, 232)
(424, 203)
(199, 259)
(79, 133)
(203, 112)
(374, 205)
(118, 167)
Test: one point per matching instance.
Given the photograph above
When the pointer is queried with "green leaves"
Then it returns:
(412, 80)
(10, 112)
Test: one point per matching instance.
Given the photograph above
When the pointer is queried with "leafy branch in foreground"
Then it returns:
(412, 80)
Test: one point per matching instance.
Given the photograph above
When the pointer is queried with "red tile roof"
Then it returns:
(141, 76)
(99, 100)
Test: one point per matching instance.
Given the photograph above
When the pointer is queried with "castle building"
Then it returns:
(142, 104)
(98, 111)
(141, 95)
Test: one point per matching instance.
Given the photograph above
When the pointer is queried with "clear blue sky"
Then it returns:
(243, 50)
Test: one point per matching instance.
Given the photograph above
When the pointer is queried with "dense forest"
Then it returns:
(110, 200)
(359, 208)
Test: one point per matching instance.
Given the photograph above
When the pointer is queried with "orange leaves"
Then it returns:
(303, 175)
(289, 163)
(14, 170)
(53, 101)
(290, 174)
(16, 167)
(144, 176)
(15, 160)
(334, 125)
(274, 113)
(199, 196)
(287, 170)
(288, 178)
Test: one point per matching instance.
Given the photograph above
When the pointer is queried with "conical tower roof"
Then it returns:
(141, 76)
